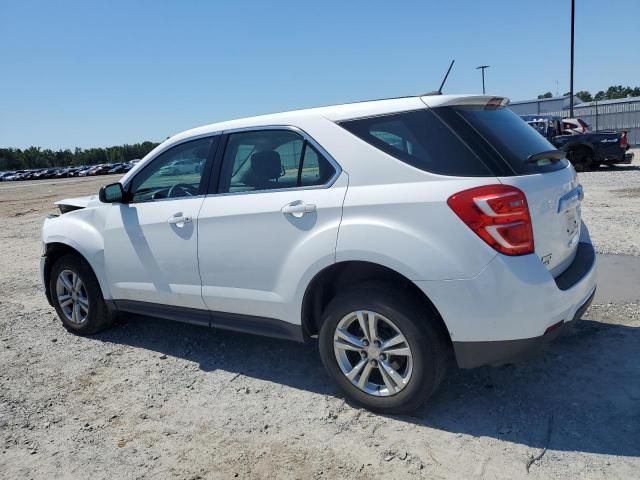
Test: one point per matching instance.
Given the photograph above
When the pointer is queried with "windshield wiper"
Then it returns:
(553, 155)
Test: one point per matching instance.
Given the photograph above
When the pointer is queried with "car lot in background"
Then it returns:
(68, 171)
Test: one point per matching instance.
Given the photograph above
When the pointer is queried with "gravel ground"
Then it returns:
(612, 207)
(155, 399)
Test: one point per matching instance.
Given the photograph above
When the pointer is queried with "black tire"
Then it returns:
(98, 316)
(582, 159)
(429, 349)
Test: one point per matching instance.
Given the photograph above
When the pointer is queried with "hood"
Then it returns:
(70, 204)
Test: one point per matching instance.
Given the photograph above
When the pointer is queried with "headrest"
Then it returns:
(266, 165)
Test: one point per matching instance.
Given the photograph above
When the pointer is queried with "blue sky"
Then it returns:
(98, 73)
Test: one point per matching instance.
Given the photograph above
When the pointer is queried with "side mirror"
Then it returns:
(112, 193)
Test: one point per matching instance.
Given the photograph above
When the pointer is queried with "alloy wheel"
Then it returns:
(72, 297)
(373, 353)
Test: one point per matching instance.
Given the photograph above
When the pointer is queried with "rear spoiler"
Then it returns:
(554, 155)
(461, 100)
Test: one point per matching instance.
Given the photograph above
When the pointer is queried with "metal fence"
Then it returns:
(621, 114)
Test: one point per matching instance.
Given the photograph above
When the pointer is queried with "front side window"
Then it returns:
(173, 174)
(271, 159)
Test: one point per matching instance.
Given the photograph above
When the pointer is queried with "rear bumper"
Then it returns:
(514, 306)
(476, 354)
(624, 159)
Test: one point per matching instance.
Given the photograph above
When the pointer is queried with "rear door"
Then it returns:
(552, 190)
(274, 216)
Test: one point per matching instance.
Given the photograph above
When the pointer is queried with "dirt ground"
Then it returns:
(155, 399)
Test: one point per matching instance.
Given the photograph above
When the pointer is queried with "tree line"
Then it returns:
(614, 91)
(36, 157)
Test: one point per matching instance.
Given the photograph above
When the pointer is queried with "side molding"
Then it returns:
(267, 327)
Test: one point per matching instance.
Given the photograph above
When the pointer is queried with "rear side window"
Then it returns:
(420, 139)
(271, 160)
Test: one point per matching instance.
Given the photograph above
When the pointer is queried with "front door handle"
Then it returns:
(298, 209)
(179, 219)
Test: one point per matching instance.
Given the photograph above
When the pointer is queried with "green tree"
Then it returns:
(546, 95)
(599, 96)
(10, 160)
(584, 95)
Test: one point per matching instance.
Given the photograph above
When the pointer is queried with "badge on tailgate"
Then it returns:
(570, 199)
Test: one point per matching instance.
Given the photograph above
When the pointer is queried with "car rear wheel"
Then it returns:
(581, 159)
(382, 350)
(77, 296)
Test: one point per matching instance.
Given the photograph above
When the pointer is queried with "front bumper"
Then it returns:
(43, 277)
(514, 306)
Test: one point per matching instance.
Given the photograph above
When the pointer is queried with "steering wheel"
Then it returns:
(181, 190)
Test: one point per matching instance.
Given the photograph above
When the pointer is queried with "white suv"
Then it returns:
(397, 232)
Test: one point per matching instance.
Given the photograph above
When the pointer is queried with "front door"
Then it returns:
(151, 242)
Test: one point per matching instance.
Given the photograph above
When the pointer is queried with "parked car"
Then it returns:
(44, 174)
(398, 233)
(17, 175)
(586, 151)
(575, 126)
(87, 171)
(30, 175)
(65, 172)
(180, 167)
(119, 168)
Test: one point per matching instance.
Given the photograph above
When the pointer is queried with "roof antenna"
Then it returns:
(439, 91)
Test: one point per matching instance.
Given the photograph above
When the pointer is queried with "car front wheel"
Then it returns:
(382, 350)
(77, 296)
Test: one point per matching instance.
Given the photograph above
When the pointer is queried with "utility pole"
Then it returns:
(482, 67)
(573, 11)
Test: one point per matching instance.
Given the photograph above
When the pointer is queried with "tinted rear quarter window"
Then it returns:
(420, 139)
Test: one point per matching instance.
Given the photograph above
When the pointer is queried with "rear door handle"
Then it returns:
(298, 209)
(178, 219)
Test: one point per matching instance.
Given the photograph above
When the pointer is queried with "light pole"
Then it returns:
(573, 10)
(482, 67)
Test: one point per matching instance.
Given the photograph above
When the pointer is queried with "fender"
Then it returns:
(80, 230)
(576, 145)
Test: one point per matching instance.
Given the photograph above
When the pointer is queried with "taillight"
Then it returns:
(499, 215)
(623, 140)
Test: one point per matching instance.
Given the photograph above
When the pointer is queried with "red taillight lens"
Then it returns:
(499, 215)
(623, 140)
